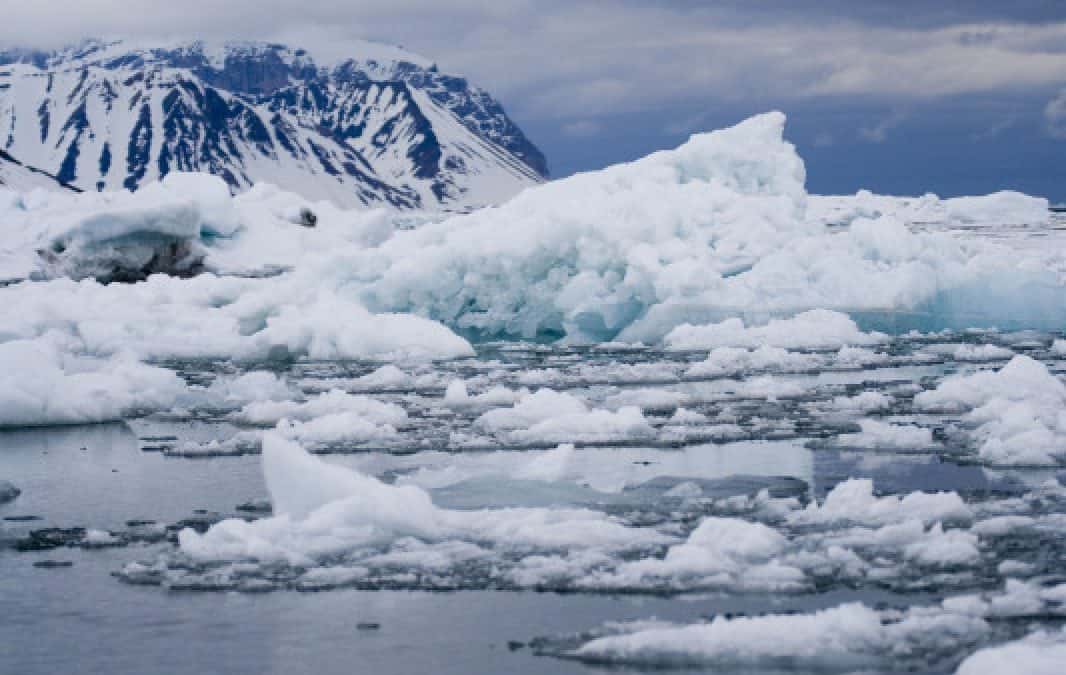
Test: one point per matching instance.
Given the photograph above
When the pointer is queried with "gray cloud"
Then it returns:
(1055, 116)
(581, 129)
(579, 60)
(878, 133)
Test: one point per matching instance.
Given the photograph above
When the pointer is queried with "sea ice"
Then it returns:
(43, 385)
(1040, 653)
(1016, 415)
(814, 329)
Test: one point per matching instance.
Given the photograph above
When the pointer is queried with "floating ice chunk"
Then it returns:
(1022, 378)
(686, 490)
(258, 385)
(552, 465)
(941, 548)
(121, 236)
(592, 426)
(772, 388)
(457, 397)
(1058, 347)
(212, 317)
(385, 377)
(867, 401)
(1019, 411)
(329, 403)
(1039, 653)
(41, 385)
(542, 405)
(858, 357)
(840, 639)
(608, 470)
(814, 329)
(323, 510)
(999, 208)
(725, 361)
(882, 435)
(660, 400)
(319, 328)
(337, 428)
(854, 501)
(720, 552)
(99, 539)
(683, 416)
(969, 352)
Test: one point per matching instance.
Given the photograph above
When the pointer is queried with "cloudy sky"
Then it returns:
(907, 96)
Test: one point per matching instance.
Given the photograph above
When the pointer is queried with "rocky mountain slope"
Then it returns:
(383, 127)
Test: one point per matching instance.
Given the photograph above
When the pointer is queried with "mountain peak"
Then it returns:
(382, 125)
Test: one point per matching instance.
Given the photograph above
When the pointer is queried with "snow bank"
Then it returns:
(42, 385)
(1017, 414)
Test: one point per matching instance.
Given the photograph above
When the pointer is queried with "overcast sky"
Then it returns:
(951, 96)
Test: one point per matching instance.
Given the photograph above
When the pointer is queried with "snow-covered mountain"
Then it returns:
(21, 178)
(383, 127)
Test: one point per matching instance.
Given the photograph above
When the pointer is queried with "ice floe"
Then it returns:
(1016, 415)
(41, 384)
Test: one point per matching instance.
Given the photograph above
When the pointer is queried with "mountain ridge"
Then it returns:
(384, 128)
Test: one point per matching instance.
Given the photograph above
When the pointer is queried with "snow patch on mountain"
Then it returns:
(385, 127)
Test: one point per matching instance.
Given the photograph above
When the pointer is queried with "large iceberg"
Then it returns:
(717, 228)
(717, 234)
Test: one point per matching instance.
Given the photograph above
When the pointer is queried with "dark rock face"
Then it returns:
(380, 130)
